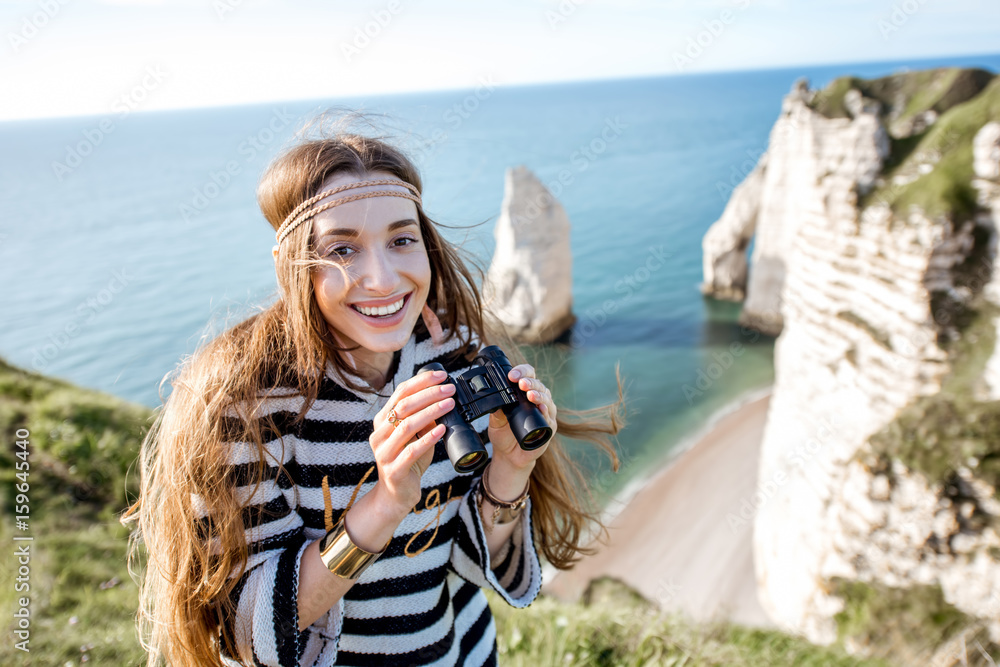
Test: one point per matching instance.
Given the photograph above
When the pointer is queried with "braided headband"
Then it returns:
(301, 214)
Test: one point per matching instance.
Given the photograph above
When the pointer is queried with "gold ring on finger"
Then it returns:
(393, 418)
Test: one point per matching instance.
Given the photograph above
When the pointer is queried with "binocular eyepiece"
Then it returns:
(482, 390)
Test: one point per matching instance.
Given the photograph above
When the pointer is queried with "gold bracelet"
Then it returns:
(342, 556)
(504, 511)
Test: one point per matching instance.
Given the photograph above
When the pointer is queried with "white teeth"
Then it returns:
(382, 311)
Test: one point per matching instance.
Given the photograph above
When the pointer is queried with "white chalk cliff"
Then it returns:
(529, 286)
(986, 165)
(874, 286)
(814, 166)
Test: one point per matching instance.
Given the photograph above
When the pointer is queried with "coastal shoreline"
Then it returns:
(669, 536)
(617, 503)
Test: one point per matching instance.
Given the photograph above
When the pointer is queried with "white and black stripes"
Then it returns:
(421, 602)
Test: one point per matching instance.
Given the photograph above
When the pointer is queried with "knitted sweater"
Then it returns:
(421, 602)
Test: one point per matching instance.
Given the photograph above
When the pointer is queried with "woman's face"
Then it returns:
(375, 296)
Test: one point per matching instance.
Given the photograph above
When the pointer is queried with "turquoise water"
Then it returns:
(125, 239)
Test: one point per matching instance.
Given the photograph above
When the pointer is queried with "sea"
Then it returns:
(129, 239)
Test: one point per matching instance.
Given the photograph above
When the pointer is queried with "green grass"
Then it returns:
(946, 191)
(81, 445)
(830, 100)
(82, 442)
(905, 624)
(937, 434)
(926, 90)
(625, 630)
(71, 560)
(906, 94)
(964, 99)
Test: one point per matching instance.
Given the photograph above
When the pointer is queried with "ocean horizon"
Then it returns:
(128, 239)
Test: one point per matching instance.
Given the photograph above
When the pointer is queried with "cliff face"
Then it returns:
(986, 165)
(874, 247)
(814, 167)
(825, 152)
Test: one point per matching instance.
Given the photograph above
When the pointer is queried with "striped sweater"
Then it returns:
(421, 602)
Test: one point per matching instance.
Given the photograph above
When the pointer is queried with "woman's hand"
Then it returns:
(507, 454)
(404, 451)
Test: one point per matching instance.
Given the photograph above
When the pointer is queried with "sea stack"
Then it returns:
(529, 285)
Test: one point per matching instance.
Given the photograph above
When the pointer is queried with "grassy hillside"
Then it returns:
(946, 149)
(82, 444)
(905, 95)
(618, 627)
(928, 167)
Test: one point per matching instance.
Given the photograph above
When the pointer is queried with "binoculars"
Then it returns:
(482, 390)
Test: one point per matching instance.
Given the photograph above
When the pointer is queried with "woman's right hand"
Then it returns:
(401, 460)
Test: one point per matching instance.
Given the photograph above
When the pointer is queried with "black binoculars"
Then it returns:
(482, 390)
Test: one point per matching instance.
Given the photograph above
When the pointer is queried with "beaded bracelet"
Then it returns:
(512, 509)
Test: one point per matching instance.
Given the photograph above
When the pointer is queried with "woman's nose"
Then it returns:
(379, 274)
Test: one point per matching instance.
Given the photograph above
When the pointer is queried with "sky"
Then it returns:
(79, 57)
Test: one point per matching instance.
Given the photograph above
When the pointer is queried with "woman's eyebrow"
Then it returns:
(353, 233)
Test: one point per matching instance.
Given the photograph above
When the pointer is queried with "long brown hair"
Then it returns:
(186, 585)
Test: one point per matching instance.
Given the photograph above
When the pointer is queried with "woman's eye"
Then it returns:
(403, 241)
(340, 250)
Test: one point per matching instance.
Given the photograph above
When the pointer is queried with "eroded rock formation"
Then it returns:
(825, 153)
(814, 166)
(529, 285)
(877, 268)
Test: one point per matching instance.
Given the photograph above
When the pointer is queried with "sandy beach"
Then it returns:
(672, 541)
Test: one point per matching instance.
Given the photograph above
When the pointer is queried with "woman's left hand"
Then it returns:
(505, 447)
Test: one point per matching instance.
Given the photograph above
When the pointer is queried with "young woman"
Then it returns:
(297, 506)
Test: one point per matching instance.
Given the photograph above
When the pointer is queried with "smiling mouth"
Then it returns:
(383, 311)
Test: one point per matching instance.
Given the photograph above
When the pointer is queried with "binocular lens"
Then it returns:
(470, 461)
(535, 436)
